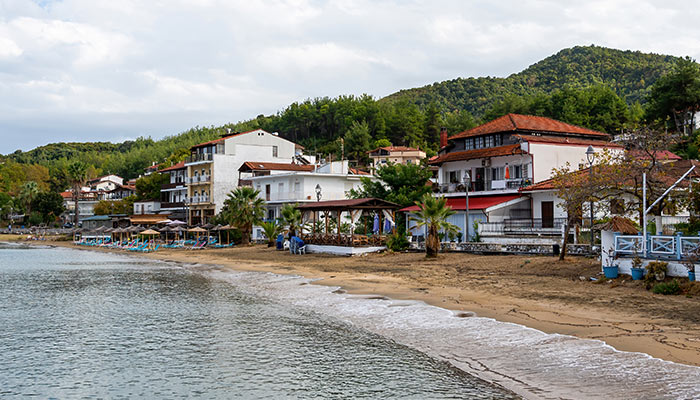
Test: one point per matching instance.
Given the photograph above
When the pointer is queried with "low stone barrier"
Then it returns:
(506, 248)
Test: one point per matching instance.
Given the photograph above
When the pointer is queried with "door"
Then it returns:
(267, 192)
(547, 214)
(478, 179)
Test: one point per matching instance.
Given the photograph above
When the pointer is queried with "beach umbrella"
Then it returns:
(165, 230)
(149, 232)
(197, 230)
(176, 223)
(165, 221)
(387, 225)
(375, 226)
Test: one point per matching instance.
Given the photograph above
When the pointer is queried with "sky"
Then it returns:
(106, 70)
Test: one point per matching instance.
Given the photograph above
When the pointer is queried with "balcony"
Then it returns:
(523, 227)
(284, 196)
(484, 186)
(198, 200)
(201, 157)
(193, 180)
(173, 185)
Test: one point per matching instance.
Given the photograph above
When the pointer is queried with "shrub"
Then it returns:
(656, 271)
(666, 288)
(397, 242)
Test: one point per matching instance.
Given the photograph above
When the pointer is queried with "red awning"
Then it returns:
(475, 202)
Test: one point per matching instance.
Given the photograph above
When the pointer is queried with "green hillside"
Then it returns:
(628, 73)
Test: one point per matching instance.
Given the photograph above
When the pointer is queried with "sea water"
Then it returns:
(79, 324)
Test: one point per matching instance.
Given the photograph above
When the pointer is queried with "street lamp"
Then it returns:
(590, 156)
(318, 192)
(467, 178)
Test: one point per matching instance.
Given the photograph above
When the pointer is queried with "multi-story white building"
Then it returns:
(396, 155)
(504, 155)
(212, 167)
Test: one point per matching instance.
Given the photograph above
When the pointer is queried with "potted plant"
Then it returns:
(637, 269)
(611, 270)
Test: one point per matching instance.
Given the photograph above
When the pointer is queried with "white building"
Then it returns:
(505, 155)
(212, 168)
(331, 181)
(173, 195)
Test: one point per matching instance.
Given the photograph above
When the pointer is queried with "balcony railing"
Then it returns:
(198, 200)
(529, 226)
(199, 158)
(480, 186)
(658, 246)
(198, 179)
(172, 205)
(284, 196)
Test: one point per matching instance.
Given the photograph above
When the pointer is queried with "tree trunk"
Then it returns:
(245, 235)
(562, 251)
(432, 243)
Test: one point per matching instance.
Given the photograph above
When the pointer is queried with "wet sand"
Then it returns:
(538, 292)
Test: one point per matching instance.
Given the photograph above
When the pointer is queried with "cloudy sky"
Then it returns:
(84, 70)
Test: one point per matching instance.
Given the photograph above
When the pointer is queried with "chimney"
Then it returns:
(443, 137)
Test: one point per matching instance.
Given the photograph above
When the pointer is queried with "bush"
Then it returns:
(35, 218)
(656, 271)
(666, 288)
(397, 242)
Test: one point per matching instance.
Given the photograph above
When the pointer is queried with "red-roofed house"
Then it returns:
(507, 153)
(396, 154)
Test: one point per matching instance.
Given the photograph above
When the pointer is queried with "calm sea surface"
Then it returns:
(76, 324)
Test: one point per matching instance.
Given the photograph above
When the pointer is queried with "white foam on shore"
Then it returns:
(527, 361)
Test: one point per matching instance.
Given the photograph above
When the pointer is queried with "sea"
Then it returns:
(82, 324)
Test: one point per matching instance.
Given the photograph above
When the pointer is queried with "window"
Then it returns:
(526, 173)
(516, 172)
(274, 151)
(488, 141)
(455, 176)
(478, 142)
(497, 173)
(469, 144)
(498, 140)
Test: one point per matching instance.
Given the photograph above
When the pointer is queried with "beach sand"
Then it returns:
(536, 291)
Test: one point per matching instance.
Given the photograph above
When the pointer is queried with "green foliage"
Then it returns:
(292, 218)
(381, 143)
(656, 271)
(111, 207)
(27, 195)
(433, 213)
(666, 288)
(397, 242)
(271, 229)
(49, 205)
(244, 208)
(35, 218)
(398, 183)
(148, 187)
(357, 142)
(676, 96)
(475, 229)
(628, 73)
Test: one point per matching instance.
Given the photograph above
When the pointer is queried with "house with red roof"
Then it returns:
(494, 160)
(396, 155)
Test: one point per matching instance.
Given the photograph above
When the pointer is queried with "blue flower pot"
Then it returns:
(610, 272)
(637, 274)
(691, 276)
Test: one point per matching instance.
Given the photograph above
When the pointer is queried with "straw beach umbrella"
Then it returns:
(197, 230)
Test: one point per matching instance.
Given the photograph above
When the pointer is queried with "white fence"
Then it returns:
(658, 246)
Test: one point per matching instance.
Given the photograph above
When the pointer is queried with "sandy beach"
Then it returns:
(538, 292)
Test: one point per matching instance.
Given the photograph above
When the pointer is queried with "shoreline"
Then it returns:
(551, 304)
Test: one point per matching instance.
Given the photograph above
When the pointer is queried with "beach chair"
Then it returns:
(279, 243)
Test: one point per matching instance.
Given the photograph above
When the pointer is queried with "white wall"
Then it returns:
(549, 156)
(539, 197)
(333, 186)
(477, 163)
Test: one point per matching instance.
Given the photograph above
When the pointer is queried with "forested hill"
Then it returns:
(629, 73)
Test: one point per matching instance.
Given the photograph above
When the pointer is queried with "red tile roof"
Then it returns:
(662, 155)
(528, 123)
(180, 165)
(569, 141)
(475, 202)
(356, 171)
(270, 166)
(478, 153)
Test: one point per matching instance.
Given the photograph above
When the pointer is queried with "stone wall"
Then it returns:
(505, 248)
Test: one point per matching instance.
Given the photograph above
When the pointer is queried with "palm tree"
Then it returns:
(292, 218)
(433, 214)
(244, 208)
(27, 194)
(77, 174)
(271, 230)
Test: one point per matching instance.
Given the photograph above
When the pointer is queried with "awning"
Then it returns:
(475, 202)
(146, 219)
